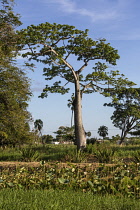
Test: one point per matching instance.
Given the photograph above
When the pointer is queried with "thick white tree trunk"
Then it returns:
(79, 129)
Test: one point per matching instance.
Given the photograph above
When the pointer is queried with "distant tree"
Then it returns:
(70, 105)
(103, 131)
(38, 124)
(116, 138)
(127, 110)
(56, 46)
(88, 134)
(47, 138)
(65, 133)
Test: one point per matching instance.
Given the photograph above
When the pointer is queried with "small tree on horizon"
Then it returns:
(47, 138)
(126, 116)
(103, 131)
(70, 105)
(38, 124)
(65, 133)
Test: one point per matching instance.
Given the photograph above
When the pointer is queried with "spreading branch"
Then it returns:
(64, 61)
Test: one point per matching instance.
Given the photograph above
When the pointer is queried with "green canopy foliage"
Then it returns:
(103, 131)
(71, 56)
(127, 110)
(55, 45)
(14, 94)
(65, 133)
(47, 138)
(14, 85)
(38, 124)
(8, 22)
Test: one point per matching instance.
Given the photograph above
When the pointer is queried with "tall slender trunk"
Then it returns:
(79, 129)
(72, 117)
(124, 133)
(41, 138)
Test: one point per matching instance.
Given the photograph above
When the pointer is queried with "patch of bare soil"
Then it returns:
(37, 164)
(11, 164)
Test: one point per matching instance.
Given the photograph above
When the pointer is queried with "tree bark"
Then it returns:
(72, 117)
(79, 129)
(123, 136)
(122, 140)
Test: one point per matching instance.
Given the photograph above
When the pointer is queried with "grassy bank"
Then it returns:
(58, 200)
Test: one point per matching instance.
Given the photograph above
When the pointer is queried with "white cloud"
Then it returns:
(101, 10)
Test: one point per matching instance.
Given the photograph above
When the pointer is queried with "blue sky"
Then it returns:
(115, 20)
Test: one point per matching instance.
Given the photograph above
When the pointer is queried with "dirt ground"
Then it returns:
(11, 164)
(37, 164)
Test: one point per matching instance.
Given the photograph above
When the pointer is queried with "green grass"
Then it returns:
(62, 200)
(67, 153)
(122, 177)
(10, 154)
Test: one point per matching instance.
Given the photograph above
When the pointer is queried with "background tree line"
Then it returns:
(14, 85)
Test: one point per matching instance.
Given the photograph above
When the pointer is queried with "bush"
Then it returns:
(29, 154)
(104, 153)
(74, 156)
(137, 157)
(91, 141)
(103, 179)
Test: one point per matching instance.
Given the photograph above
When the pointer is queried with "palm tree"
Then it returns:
(103, 131)
(70, 105)
(38, 124)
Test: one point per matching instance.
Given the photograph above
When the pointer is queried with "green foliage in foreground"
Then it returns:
(100, 179)
(58, 200)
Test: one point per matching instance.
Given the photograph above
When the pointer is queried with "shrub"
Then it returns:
(137, 157)
(101, 180)
(75, 156)
(91, 141)
(104, 153)
(29, 154)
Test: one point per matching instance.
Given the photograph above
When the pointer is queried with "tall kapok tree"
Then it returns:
(56, 46)
(127, 110)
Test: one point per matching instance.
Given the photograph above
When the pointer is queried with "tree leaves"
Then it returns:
(55, 45)
(127, 109)
(14, 85)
